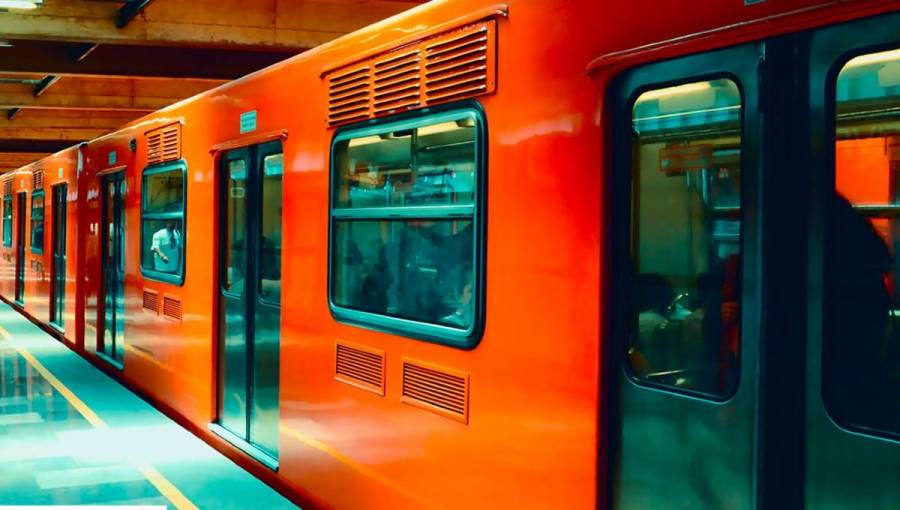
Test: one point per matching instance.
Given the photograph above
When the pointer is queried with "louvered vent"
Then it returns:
(151, 301)
(7, 187)
(172, 308)
(397, 79)
(164, 144)
(37, 180)
(436, 389)
(457, 66)
(448, 67)
(348, 96)
(360, 366)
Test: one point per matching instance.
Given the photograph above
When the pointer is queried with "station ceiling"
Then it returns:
(73, 70)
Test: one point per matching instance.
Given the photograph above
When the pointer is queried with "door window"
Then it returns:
(37, 222)
(686, 237)
(861, 351)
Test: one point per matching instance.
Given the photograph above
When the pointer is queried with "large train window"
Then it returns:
(7, 221)
(686, 238)
(162, 222)
(861, 351)
(404, 227)
(37, 222)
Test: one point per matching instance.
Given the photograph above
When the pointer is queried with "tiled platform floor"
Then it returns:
(70, 435)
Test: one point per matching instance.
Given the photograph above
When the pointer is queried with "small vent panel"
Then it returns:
(164, 144)
(37, 180)
(457, 66)
(448, 67)
(151, 301)
(360, 366)
(172, 308)
(7, 187)
(436, 389)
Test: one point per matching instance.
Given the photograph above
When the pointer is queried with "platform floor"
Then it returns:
(71, 435)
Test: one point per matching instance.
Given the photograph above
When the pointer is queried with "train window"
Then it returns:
(270, 251)
(37, 222)
(404, 209)
(235, 227)
(686, 238)
(7, 221)
(861, 349)
(162, 223)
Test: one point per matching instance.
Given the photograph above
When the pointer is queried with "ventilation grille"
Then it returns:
(457, 67)
(37, 180)
(151, 301)
(396, 82)
(7, 187)
(360, 366)
(164, 144)
(448, 67)
(436, 389)
(172, 308)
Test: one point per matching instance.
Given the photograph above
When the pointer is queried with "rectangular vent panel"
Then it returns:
(164, 144)
(360, 366)
(436, 389)
(151, 301)
(172, 308)
(37, 180)
(7, 187)
(450, 66)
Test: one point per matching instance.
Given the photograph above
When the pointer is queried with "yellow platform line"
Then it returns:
(162, 484)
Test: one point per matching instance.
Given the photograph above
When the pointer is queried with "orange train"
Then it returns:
(555, 254)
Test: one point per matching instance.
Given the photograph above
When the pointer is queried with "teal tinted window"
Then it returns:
(7, 221)
(404, 225)
(861, 341)
(270, 226)
(162, 222)
(37, 222)
(686, 238)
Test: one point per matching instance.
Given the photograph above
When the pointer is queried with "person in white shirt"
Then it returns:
(166, 248)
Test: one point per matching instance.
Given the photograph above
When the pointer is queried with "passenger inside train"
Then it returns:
(417, 262)
(686, 239)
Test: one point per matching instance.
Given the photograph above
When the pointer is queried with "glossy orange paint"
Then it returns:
(535, 435)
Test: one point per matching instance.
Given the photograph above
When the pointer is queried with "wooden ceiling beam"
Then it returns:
(65, 125)
(13, 160)
(85, 93)
(56, 58)
(272, 24)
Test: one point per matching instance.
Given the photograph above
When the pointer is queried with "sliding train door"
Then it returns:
(21, 208)
(250, 299)
(686, 322)
(853, 342)
(755, 361)
(58, 261)
(112, 228)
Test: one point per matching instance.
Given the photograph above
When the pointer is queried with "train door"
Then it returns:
(112, 229)
(852, 454)
(250, 299)
(58, 262)
(685, 386)
(21, 207)
(756, 353)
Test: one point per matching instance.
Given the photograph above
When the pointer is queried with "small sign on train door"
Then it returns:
(112, 158)
(248, 121)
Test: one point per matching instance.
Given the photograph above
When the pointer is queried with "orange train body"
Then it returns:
(535, 433)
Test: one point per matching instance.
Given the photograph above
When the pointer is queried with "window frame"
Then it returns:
(829, 140)
(152, 274)
(37, 193)
(470, 337)
(7, 221)
(623, 160)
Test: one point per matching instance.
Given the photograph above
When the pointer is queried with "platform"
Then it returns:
(71, 435)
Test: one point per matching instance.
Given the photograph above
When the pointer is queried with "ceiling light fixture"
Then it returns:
(20, 4)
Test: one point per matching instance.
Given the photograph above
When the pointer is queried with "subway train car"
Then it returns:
(556, 254)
